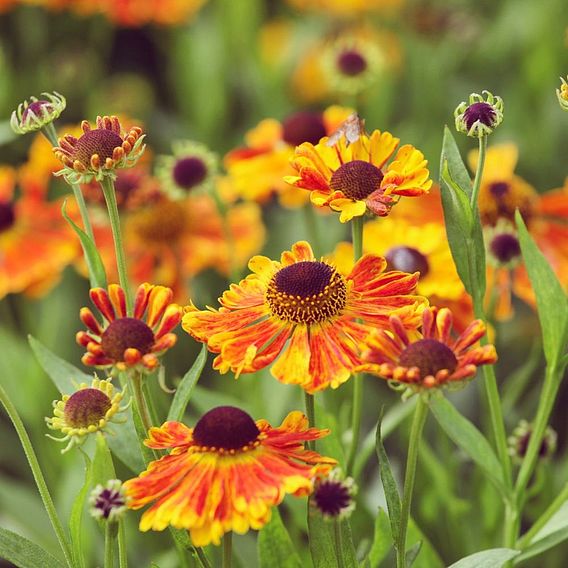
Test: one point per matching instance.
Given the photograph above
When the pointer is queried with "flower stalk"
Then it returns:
(227, 550)
(111, 533)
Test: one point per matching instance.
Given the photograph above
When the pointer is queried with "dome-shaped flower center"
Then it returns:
(356, 179)
(407, 259)
(37, 108)
(164, 222)
(225, 427)
(482, 112)
(7, 215)
(331, 497)
(189, 172)
(126, 333)
(303, 127)
(351, 63)
(505, 247)
(99, 141)
(307, 292)
(430, 356)
(499, 189)
(86, 407)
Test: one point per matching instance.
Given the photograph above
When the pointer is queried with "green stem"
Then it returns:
(38, 476)
(338, 543)
(544, 518)
(122, 551)
(111, 531)
(357, 405)
(478, 174)
(418, 421)
(107, 185)
(311, 222)
(139, 401)
(309, 400)
(202, 558)
(227, 549)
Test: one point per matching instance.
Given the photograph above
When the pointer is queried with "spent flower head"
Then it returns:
(108, 502)
(334, 495)
(562, 94)
(89, 409)
(99, 151)
(34, 114)
(479, 117)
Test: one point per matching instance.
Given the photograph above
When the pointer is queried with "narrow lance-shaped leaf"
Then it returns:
(492, 558)
(551, 299)
(469, 439)
(389, 484)
(275, 548)
(382, 539)
(24, 553)
(76, 518)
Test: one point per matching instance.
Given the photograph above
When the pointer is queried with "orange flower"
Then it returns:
(135, 13)
(225, 474)
(36, 243)
(125, 342)
(354, 178)
(434, 359)
(325, 315)
(257, 169)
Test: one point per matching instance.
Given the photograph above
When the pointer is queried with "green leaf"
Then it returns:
(322, 546)
(347, 547)
(23, 553)
(76, 517)
(124, 444)
(382, 539)
(102, 467)
(97, 274)
(65, 376)
(492, 558)
(551, 299)
(469, 439)
(538, 547)
(412, 553)
(428, 557)
(389, 484)
(186, 386)
(464, 232)
(275, 548)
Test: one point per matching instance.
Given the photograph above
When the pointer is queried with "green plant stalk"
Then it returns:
(552, 509)
(357, 239)
(38, 476)
(202, 557)
(122, 550)
(338, 543)
(227, 550)
(420, 414)
(107, 185)
(139, 401)
(111, 532)
(309, 400)
(478, 174)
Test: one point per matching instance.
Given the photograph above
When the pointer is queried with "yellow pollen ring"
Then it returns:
(223, 451)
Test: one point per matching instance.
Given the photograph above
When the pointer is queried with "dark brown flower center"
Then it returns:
(306, 292)
(225, 427)
(351, 63)
(7, 215)
(37, 108)
(99, 141)
(189, 172)
(505, 247)
(430, 356)
(86, 407)
(499, 189)
(407, 259)
(482, 112)
(126, 333)
(164, 222)
(356, 179)
(303, 127)
(331, 497)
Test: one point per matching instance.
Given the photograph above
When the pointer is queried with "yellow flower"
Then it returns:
(89, 409)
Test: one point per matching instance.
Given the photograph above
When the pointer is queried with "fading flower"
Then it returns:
(324, 315)
(432, 360)
(225, 474)
(125, 342)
